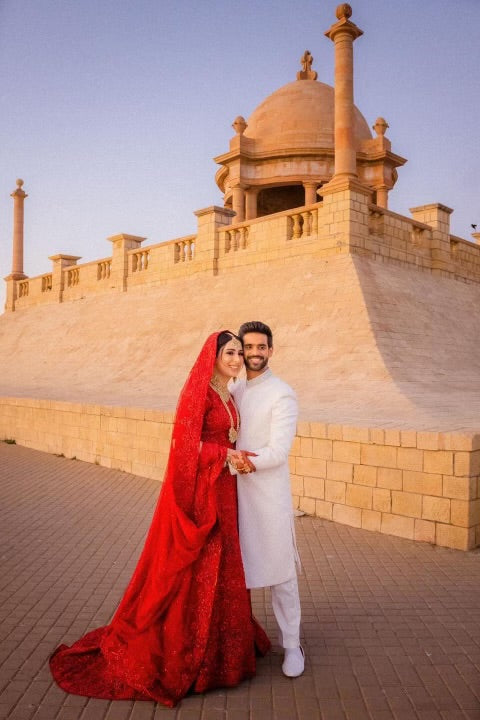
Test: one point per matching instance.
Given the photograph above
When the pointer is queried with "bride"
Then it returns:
(185, 622)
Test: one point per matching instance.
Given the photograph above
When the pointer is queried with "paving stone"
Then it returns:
(391, 627)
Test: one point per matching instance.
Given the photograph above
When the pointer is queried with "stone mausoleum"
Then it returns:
(375, 318)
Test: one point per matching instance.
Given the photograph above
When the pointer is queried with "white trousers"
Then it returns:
(286, 608)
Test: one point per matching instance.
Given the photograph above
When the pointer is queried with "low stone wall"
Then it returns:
(132, 439)
(419, 485)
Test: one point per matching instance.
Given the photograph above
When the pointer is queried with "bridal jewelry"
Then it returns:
(220, 388)
(225, 396)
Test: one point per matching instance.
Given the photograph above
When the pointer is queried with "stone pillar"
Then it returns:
(382, 196)
(210, 221)
(438, 217)
(343, 33)
(251, 195)
(119, 269)
(343, 222)
(59, 263)
(17, 273)
(310, 192)
(19, 196)
(238, 202)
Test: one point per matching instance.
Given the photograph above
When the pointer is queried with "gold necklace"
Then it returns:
(225, 396)
(220, 388)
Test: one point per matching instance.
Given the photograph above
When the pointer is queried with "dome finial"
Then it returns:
(19, 191)
(381, 126)
(306, 73)
(344, 11)
(239, 125)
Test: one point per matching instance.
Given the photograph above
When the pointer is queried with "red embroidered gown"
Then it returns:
(185, 622)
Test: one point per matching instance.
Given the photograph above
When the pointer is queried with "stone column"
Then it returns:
(310, 192)
(238, 203)
(17, 273)
(343, 33)
(251, 203)
(19, 196)
(382, 196)
(343, 222)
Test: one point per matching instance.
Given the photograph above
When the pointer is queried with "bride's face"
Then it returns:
(230, 360)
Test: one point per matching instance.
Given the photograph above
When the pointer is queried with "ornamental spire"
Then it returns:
(306, 73)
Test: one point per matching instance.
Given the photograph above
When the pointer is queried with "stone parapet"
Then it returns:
(419, 485)
(345, 221)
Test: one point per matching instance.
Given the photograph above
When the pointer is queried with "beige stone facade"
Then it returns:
(418, 485)
(375, 320)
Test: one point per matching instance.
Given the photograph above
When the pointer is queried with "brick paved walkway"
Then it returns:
(391, 628)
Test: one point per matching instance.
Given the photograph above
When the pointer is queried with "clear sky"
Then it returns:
(112, 110)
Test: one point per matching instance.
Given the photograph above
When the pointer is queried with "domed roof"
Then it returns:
(299, 115)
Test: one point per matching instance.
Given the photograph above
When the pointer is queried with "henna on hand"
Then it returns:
(247, 463)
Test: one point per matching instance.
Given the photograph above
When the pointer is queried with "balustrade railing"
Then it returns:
(140, 260)
(236, 239)
(104, 268)
(184, 250)
(389, 235)
(23, 288)
(73, 276)
(303, 224)
(46, 283)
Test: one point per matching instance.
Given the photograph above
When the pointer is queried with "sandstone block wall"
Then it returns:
(419, 485)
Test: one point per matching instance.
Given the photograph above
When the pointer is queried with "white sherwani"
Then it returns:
(268, 412)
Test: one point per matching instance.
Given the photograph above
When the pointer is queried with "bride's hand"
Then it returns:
(234, 458)
(247, 455)
(243, 464)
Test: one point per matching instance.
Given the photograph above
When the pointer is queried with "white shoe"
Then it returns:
(293, 662)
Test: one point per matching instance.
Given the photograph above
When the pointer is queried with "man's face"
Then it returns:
(256, 352)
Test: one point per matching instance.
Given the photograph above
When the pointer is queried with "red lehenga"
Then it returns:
(185, 622)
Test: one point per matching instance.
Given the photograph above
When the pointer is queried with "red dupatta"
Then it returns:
(179, 526)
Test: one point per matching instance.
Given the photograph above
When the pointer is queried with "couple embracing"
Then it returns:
(185, 622)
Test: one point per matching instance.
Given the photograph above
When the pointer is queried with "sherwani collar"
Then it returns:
(260, 378)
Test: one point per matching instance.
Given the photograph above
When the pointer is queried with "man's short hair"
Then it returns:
(255, 326)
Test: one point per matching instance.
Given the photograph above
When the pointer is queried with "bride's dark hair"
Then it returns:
(225, 337)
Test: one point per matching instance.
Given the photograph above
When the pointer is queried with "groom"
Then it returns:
(268, 411)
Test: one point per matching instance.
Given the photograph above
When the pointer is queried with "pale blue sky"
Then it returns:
(113, 109)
